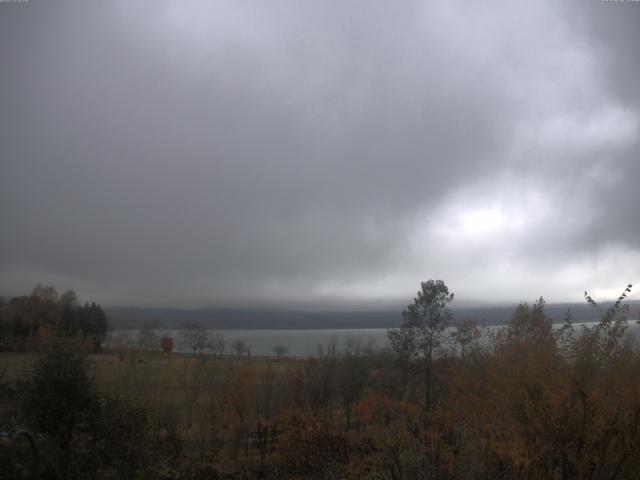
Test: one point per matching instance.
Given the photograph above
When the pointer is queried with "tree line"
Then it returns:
(534, 401)
(192, 338)
(28, 322)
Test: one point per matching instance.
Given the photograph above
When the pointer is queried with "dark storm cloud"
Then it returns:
(612, 31)
(211, 152)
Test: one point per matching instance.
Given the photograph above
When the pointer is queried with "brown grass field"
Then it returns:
(182, 386)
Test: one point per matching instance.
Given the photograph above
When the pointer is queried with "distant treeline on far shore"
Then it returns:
(217, 318)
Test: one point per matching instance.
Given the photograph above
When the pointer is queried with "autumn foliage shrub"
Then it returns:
(166, 343)
(538, 402)
(305, 445)
(83, 434)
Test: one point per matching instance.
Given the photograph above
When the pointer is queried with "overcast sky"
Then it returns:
(319, 154)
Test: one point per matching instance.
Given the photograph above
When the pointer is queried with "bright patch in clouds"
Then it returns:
(482, 222)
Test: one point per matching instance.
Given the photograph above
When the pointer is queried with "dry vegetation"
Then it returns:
(535, 402)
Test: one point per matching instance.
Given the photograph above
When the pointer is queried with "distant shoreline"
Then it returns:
(255, 319)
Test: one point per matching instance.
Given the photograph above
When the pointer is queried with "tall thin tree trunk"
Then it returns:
(428, 383)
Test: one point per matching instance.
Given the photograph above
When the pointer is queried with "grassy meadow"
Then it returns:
(533, 402)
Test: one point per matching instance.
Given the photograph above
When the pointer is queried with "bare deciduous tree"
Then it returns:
(240, 347)
(353, 373)
(148, 338)
(280, 349)
(217, 343)
(194, 337)
(466, 337)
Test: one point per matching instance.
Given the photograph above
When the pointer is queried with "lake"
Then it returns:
(299, 342)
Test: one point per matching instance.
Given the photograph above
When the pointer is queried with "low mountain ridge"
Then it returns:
(222, 318)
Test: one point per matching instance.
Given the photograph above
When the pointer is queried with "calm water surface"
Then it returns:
(300, 342)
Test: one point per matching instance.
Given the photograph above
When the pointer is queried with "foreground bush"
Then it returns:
(81, 434)
(535, 402)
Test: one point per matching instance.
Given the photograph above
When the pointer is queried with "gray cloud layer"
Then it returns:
(306, 153)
